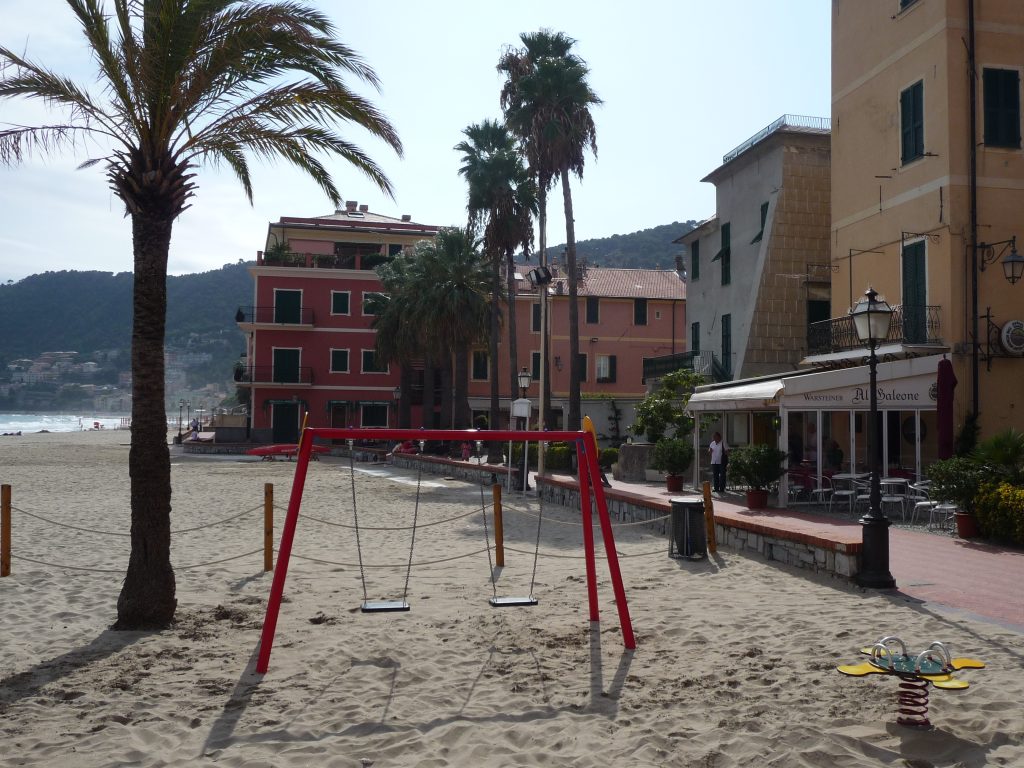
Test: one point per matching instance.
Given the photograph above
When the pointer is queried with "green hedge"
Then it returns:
(607, 457)
(999, 510)
(558, 457)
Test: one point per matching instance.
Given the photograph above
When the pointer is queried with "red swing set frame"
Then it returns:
(589, 479)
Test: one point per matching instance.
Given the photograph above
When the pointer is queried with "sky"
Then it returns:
(682, 81)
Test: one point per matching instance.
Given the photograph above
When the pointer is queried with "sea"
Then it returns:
(12, 423)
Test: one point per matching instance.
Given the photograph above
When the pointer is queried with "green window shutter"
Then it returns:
(583, 366)
(764, 218)
(639, 311)
(535, 318)
(535, 365)
(1001, 91)
(912, 123)
(695, 338)
(611, 368)
(727, 343)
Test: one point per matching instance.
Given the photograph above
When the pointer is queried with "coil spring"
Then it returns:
(912, 702)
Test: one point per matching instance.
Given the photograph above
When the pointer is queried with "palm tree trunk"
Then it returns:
(446, 391)
(513, 347)
(494, 454)
(405, 401)
(573, 419)
(147, 599)
(463, 416)
(545, 341)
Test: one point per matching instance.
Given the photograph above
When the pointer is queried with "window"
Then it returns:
(535, 365)
(1002, 108)
(339, 361)
(764, 218)
(535, 318)
(593, 310)
(583, 367)
(724, 254)
(287, 307)
(727, 343)
(912, 122)
(695, 338)
(374, 415)
(372, 302)
(605, 369)
(286, 366)
(906, 3)
(481, 365)
(695, 260)
(340, 303)
(372, 364)
(639, 311)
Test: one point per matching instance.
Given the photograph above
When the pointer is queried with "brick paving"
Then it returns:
(974, 578)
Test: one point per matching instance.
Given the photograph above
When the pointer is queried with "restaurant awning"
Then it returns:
(743, 397)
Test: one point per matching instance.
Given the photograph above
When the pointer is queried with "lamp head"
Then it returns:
(1013, 264)
(871, 317)
(525, 379)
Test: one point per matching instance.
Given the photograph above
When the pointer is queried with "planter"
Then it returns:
(757, 498)
(966, 525)
(674, 483)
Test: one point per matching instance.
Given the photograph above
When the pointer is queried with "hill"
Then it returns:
(647, 249)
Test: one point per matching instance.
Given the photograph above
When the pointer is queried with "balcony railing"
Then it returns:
(701, 362)
(275, 315)
(911, 324)
(269, 374)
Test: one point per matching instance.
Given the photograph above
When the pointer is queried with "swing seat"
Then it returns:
(511, 602)
(383, 606)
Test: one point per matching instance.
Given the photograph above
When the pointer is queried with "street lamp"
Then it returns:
(1013, 264)
(871, 317)
(525, 379)
(397, 395)
(1013, 269)
(181, 405)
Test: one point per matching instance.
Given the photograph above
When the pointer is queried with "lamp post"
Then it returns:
(181, 405)
(397, 395)
(871, 317)
(188, 412)
(521, 409)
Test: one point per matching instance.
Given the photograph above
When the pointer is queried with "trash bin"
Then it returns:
(689, 531)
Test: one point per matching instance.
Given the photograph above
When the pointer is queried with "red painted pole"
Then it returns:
(287, 537)
(609, 541)
(586, 517)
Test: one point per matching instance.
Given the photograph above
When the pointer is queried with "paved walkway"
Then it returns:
(976, 579)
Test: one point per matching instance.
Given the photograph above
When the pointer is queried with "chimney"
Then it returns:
(679, 264)
(364, 208)
(406, 217)
(350, 205)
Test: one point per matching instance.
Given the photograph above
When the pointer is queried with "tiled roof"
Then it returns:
(619, 283)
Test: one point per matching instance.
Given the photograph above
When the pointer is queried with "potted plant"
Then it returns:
(673, 456)
(958, 481)
(757, 467)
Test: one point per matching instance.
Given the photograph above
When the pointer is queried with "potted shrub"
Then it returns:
(673, 456)
(757, 467)
(958, 481)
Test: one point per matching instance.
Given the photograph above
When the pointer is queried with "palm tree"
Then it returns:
(546, 100)
(435, 304)
(186, 82)
(501, 201)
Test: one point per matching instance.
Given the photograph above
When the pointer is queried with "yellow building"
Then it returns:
(928, 189)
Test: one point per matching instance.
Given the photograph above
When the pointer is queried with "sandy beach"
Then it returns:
(735, 664)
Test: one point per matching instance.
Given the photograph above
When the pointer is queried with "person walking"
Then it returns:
(717, 450)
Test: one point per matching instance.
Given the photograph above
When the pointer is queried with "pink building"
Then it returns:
(311, 348)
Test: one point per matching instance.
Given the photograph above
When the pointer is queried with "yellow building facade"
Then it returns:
(928, 185)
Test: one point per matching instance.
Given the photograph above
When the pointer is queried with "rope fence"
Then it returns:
(268, 549)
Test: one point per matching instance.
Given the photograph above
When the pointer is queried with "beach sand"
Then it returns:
(735, 664)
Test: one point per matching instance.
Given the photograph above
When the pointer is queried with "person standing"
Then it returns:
(717, 451)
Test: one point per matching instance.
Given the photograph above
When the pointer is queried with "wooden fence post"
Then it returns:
(709, 518)
(5, 530)
(268, 526)
(499, 530)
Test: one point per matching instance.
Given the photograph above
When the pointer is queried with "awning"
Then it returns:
(744, 397)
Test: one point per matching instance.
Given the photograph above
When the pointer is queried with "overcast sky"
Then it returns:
(683, 82)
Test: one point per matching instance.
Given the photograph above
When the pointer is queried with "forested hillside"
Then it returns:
(646, 249)
(88, 311)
